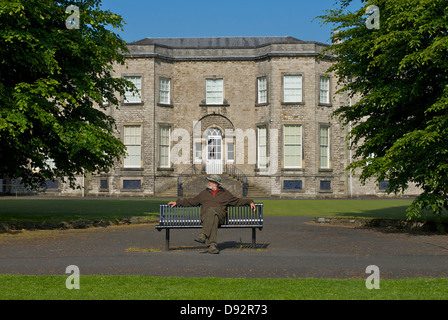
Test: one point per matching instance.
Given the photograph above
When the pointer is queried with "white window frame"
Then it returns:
(230, 152)
(131, 96)
(324, 147)
(164, 90)
(164, 147)
(214, 91)
(132, 137)
(262, 89)
(292, 90)
(297, 144)
(324, 89)
(262, 147)
(197, 152)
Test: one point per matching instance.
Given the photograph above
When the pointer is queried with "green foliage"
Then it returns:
(399, 124)
(51, 79)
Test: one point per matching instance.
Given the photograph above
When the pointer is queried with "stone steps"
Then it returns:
(194, 184)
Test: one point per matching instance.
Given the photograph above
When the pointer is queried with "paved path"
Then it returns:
(288, 247)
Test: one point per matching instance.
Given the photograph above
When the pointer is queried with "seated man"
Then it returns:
(214, 201)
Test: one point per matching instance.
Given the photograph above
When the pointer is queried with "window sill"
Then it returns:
(292, 169)
(293, 103)
(165, 169)
(130, 104)
(322, 104)
(166, 105)
(214, 105)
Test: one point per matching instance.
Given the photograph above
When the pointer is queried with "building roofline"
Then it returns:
(220, 42)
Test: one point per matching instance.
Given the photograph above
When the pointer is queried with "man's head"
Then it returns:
(214, 181)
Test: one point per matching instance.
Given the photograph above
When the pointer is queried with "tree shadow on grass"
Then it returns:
(397, 213)
(77, 209)
(394, 219)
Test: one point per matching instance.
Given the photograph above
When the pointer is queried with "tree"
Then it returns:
(399, 69)
(53, 79)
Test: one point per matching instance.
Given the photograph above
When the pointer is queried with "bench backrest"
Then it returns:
(190, 216)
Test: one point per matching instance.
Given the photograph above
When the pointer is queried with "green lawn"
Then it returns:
(32, 209)
(174, 288)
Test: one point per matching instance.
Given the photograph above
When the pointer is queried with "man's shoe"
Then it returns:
(213, 249)
(201, 238)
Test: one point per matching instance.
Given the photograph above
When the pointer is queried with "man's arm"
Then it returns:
(235, 201)
(186, 202)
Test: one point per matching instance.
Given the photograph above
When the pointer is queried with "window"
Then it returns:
(292, 88)
(132, 184)
(104, 184)
(292, 146)
(324, 90)
(230, 152)
(262, 90)
(51, 184)
(132, 141)
(262, 147)
(294, 185)
(383, 185)
(164, 90)
(325, 185)
(214, 91)
(132, 96)
(324, 147)
(198, 152)
(164, 147)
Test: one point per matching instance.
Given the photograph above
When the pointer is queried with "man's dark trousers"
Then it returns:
(211, 219)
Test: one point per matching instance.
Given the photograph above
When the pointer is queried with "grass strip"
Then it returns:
(97, 287)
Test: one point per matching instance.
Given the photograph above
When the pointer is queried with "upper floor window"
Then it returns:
(132, 96)
(324, 89)
(262, 90)
(214, 91)
(164, 90)
(292, 88)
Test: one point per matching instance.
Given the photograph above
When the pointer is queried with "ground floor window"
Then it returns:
(292, 146)
(132, 141)
(164, 147)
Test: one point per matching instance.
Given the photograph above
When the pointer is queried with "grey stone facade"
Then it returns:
(257, 105)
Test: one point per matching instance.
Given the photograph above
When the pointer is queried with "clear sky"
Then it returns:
(212, 18)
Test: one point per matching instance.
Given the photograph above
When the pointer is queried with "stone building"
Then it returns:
(254, 109)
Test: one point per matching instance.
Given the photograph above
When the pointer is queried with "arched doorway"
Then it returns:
(214, 158)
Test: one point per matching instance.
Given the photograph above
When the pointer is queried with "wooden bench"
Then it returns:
(189, 217)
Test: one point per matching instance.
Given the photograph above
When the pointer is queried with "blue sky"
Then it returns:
(211, 18)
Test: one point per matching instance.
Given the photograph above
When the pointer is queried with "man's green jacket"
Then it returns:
(221, 200)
